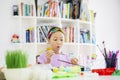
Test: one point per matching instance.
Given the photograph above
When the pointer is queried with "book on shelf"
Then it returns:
(61, 8)
(66, 30)
(41, 37)
(84, 11)
(69, 33)
(92, 15)
(93, 39)
(30, 35)
(42, 32)
(36, 7)
(68, 13)
(27, 9)
(48, 9)
(27, 35)
(84, 35)
(76, 9)
(71, 37)
(70, 9)
(22, 8)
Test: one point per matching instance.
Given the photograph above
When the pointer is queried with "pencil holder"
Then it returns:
(111, 62)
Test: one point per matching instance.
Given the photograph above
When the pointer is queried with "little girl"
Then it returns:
(54, 55)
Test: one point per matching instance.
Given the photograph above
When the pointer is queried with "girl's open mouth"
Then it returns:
(58, 47)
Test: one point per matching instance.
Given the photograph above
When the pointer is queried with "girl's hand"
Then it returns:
(74, 61)
(1, 68)
(49, 54)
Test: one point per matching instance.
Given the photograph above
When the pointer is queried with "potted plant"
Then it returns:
(16, 65)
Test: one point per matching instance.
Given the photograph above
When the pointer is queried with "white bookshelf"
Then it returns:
(35, 47)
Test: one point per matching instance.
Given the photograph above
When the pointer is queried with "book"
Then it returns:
(76, 9)
(36, 7)
(61, 8)
(22, 8)
(43, 34)
(69, 33)
(30, 35)
(41, 37)
(84, 35)
(27, 9)
(70, 9)
(71, 36)
(27, 36)
(31, 29)
(84, 11)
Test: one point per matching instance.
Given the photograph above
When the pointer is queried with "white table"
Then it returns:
(92, 78)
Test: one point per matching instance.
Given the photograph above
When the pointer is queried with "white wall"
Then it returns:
(107, 24)
(5, 27)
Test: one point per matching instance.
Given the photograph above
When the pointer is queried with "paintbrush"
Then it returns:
(104, 49)
(67, 62)
(100, 50)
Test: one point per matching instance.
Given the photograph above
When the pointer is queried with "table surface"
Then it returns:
(92, 78)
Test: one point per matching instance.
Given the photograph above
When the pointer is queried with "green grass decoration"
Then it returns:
(16, 59)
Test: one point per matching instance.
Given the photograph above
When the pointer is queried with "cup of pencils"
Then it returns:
(111, 59)
(111, 62)
(109, 56)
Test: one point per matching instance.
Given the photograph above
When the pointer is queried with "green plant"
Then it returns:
(16, 59)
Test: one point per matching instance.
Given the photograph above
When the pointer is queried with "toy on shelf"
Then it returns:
(15, 38)
(93, 56)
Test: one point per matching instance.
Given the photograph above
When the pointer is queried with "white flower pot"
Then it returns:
(17, 74)
(41, 72)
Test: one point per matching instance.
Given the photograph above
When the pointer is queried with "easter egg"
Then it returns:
(55, 69)
(49, 48)
(61, 68)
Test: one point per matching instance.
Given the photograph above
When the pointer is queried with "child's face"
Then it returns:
(56, 41)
